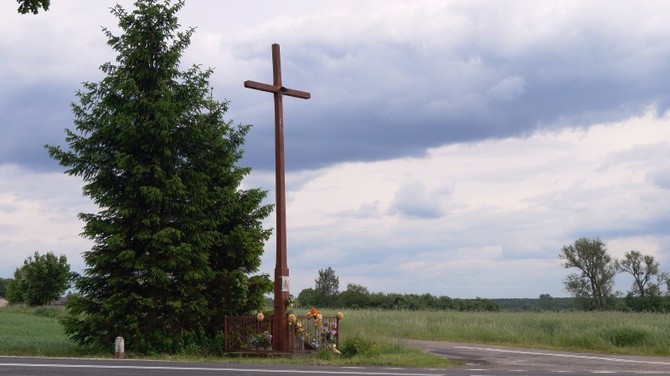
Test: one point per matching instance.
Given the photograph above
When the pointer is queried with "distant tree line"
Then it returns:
(592, 283)
(326, 294)
(545, 302)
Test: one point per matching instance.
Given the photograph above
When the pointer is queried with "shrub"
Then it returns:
(356, 345)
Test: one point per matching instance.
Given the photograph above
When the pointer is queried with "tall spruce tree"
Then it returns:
(176, 239)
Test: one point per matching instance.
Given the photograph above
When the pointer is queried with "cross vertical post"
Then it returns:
(280, 337)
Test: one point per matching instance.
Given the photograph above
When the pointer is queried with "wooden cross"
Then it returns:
(281, 293)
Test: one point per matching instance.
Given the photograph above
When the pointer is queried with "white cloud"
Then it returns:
(512, 204)
(38, 212)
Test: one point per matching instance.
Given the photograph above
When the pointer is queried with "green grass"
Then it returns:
(35, 332)
(606, 332)
(379, 334)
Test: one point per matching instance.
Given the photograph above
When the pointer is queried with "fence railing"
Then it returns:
(305, 333)
(310, 334)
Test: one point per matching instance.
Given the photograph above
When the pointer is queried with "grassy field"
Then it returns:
(379, 334)
(36, 332)
(606, 332)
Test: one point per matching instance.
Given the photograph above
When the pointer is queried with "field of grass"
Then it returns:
(35, 332)
(605, 332)
(379, 334)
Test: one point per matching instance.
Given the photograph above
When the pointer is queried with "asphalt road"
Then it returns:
(480, 360)
(533, 361)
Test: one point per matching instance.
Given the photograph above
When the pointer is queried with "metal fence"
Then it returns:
(305, 333)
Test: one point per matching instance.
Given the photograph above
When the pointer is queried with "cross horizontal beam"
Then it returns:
(277, 89)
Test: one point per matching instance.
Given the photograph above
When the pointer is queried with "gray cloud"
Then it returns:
(395, 102)
(31, 117)
(392, 79)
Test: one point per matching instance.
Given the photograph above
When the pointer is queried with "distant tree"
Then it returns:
(546, 302)
(664, 279)
(309, 298)
(3, 286)
(592, 285)
(327, 286)
(355, 296)
(642, 268)
(15, 293)
(41, 280)
(176, 240)
(33, 6)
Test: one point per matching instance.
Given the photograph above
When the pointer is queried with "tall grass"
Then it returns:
(608, 332)
(36, 332)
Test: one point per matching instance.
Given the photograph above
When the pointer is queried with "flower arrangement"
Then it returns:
(262, 340)
(315, 315)
(315, 332)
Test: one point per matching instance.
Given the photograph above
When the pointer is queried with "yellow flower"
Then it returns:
(260, 316)
(340, 315)
(292, 318)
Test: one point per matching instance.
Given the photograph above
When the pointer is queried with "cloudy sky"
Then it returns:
(450, 147)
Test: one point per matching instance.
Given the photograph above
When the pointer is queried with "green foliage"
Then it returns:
(544, 303)
(325, 354)
(592, 285)
(3, 286)
(326, 294)
(327, 287)
(309, 298)
(648, 303)
(357, 296)
(33, 6)
(642, 268)
(176, 240)
(356, 345)
(41, 280)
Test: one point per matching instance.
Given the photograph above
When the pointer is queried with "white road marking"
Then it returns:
(565, 355)
(205, 369)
